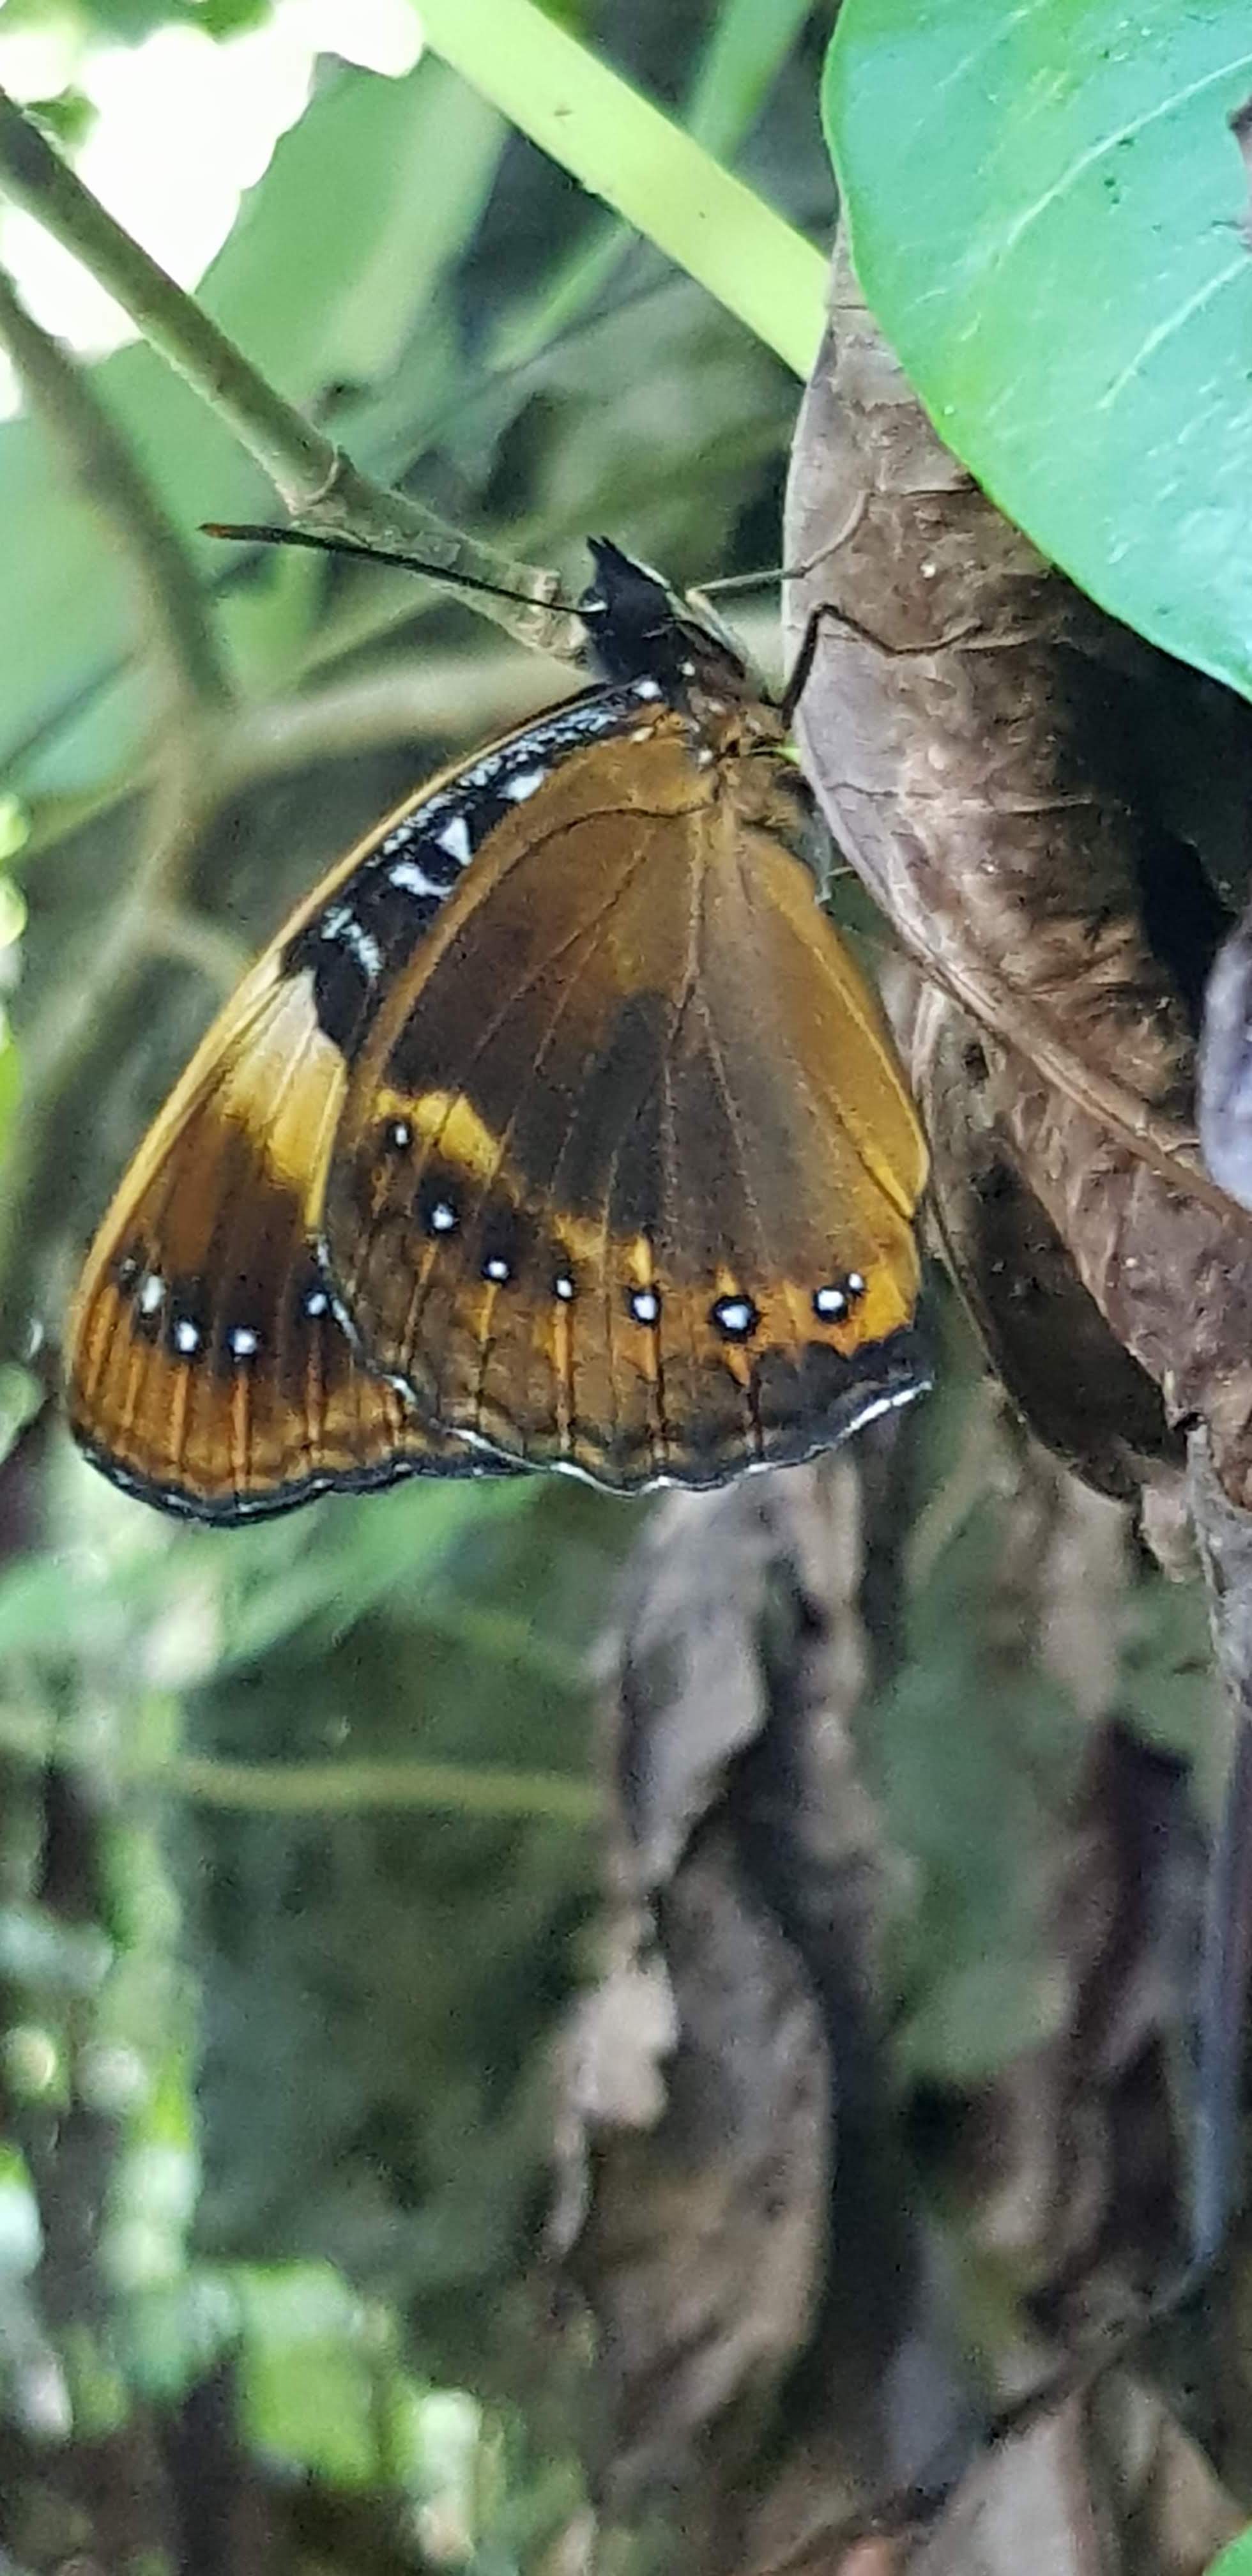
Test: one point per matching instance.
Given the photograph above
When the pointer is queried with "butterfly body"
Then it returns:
(557, 1128)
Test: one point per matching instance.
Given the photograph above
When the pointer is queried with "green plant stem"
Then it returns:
(299, 460)
(325, 1788)
(323, 491)
(620, 147)
(349, 1788)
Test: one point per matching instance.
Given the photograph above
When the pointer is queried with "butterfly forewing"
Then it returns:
(210, 1368)
(597, 1197)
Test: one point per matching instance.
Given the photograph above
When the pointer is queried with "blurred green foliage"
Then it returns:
(126, 22)
(298, 1862)
(297, 1866)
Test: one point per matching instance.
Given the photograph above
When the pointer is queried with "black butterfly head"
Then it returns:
(640, 629)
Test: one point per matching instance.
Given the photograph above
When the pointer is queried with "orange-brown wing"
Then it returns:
(626, 1171)
(208, 1369)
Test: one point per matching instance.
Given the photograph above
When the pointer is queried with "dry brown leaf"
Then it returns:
(1108, 2485)
(731, 2203)
(1047, 1340)
(1082, 2177)
(1002, 764)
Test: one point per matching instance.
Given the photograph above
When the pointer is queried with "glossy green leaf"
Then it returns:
(1048, 212)
(1237, 2560)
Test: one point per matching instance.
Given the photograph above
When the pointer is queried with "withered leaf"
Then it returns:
(1109, 2483)
(1046, 1338)
(1022, 784)
(733, 2205)
(1225, 1066)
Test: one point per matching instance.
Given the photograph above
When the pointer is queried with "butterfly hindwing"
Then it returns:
(626, 1174)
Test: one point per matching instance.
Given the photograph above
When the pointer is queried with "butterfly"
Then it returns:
(557, 1127)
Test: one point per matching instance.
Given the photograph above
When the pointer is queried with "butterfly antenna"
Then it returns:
(249, 532)
(729, 581)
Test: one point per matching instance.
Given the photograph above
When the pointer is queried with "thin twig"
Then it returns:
(63, 395)
(322, 490)
(460, 697)
(190, 938)
(70, 1028)
(197, 694)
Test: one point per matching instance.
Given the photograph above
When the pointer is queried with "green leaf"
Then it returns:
(224, 18)
(20, 2231)
(974, 1806)
(1237, 2560)
(1048, 215)
(62, 1607)
(307, 2376)
(361, 1551)
(68, 117)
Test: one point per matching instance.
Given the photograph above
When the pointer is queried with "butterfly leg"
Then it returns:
(826, 614)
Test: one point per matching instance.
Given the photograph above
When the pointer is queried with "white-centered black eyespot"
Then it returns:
(437, 1204)
(186, 1326)
(643, 1305)
(833, 1300)
(563, 1287)
(735, 1318)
